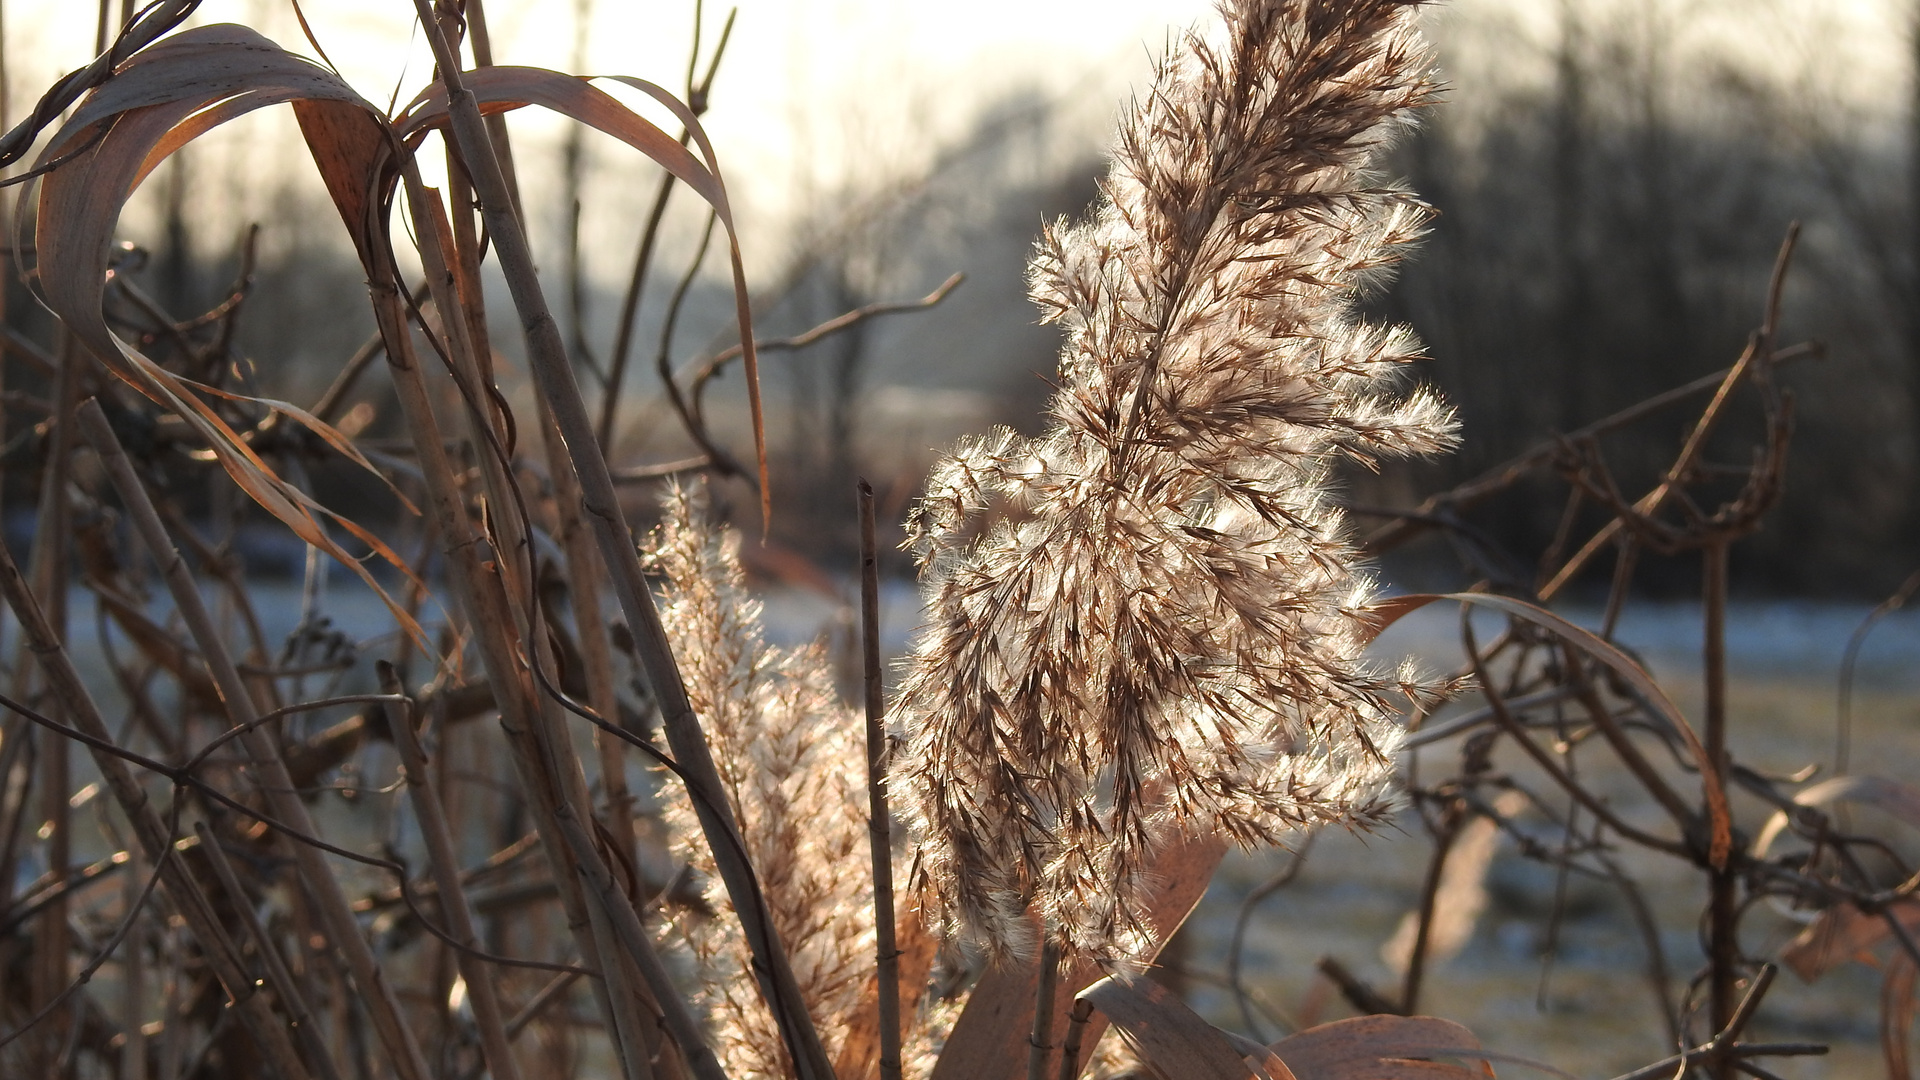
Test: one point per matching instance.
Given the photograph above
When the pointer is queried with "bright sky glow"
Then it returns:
(809, 93)
(817, 97)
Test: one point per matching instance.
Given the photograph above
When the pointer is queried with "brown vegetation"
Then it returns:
(1145, 640)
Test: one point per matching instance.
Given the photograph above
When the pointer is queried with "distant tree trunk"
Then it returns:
(573, 165)
(1910, 320)
(1658, 256)
(1908, 315)
(1572, 323)
(847, 374)
(176, 262)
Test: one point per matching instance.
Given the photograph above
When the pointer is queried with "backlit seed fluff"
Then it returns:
(1148, 619)
(791, 757)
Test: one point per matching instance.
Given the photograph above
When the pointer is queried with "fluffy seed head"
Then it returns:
(1148, 618)
(792, 758)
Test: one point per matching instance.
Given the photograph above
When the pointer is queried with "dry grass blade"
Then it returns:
(578, 99)
(1898, 799)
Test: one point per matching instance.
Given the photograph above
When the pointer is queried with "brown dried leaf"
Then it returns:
(348, 146)
(1842, 933)
(860, 1053)
(1382, 1048)
(990, 1038)
(1896, 1016)
(1172, 1037)
(205, 64)
(333, 436)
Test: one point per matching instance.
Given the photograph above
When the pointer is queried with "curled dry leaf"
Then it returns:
(1901, 801)
(1170, 1036)
(185, 86)
(1843, 932)
(159, 100)
(1383, 1048)
(502, 88)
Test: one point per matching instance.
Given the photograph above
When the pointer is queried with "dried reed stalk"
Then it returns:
(263, 750)
(300, 1018)
(488, 1016)
(1147, 621)
(482, 596)
(879, 828)
(553, 376)
(190, 900)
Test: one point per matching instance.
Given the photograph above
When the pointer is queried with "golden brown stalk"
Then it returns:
(1147, 621)
(493, 618)
(553, 377)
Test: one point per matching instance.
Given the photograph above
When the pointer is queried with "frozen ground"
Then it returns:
(1591, 1014)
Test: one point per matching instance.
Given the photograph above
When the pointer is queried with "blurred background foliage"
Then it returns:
(1612, 179)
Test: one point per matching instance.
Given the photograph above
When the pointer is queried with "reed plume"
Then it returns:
(790, 754)
(1148, 619)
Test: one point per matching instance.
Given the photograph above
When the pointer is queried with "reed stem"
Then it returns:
(1040, 1042)
(553, 376)
(879, 828)
(488, 1016)
(320, 885)
(268, 1031)
(1723, 944)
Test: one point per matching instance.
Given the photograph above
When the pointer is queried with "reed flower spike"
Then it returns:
(1148, 619)
(790, 756)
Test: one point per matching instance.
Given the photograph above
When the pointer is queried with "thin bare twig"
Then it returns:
(322, 886)
(488, 1016)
